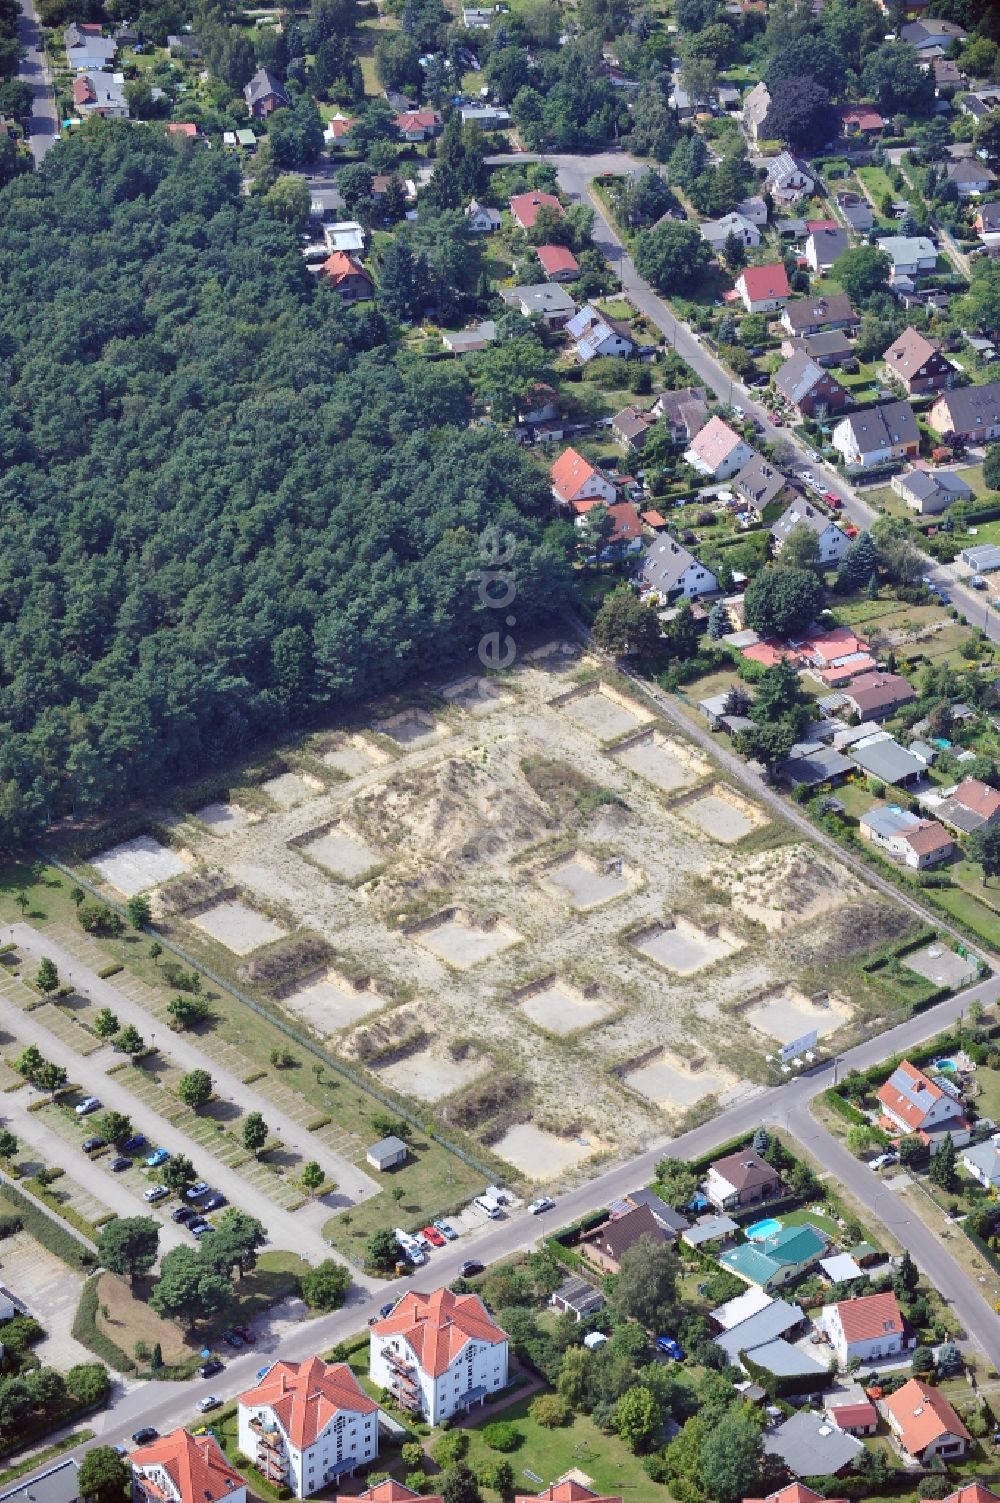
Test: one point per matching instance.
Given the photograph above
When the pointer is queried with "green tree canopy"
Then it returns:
(129, 1245)
(673, 256)
(783, 602)
(104, 1476)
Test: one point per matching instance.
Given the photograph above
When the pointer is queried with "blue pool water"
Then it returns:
(949, 1066)
(762, 1229)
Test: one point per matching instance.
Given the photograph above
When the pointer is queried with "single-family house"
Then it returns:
(763, 288)
(923, 1423)
(87, 48)
(305, 1424)
(668, 569)
(558, 263)
(983, 1162)
(264, 94)
(852, 1411)
(625, 535)
(547, 301)
(475, 18)
(607, 1244)
(598, 335)
(877, 696)
(979, 102)
(575, 479)
(947, 76)
(809, 387)
(970, 176)
(917, 364)
(861, 120)
(565, 1492)
(833, 543)
(913, 1103)
(928, 492)
(718, 231)
(541, 404)
(710, 1231)
(810, 315)
(971, 805)
(439, 1353)
(673, 1222)
(630, 427)
(525, 206)
(186, 44)
(758, 483)
(968, 1492)
(912, 256)
(685, 412)
(830, 348)
(59, 1483)
(877, 435)
(485, 117)
(417, 125)
(770, 1320)
(777, 1260)
(741, 1179)
(754, 209)
(880, 755)
(184, 1468)
(348, 278)
(928, 33)
(825, 247)
(755, 108)
(987, 222)
(717, 452)
(789, 178)
(481, 219)
(870, 1328)
(100, 94)
(810, 1446)
(338, 127)
(905, 837)
(971, 413)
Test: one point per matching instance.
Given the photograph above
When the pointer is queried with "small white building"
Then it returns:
(597, 334)
(718, 231)
(832, 542)
(983, 1163)
(306, 1424)
(911, 255)
(439, 1353)
(869, 1328)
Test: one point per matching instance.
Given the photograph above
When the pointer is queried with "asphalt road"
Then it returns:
(576, 175)
(44, 122)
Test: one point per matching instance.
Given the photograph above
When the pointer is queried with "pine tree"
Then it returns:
(718, 621)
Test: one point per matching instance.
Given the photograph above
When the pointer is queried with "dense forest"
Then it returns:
(226, 505)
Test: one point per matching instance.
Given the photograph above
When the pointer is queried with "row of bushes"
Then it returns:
(55, 1238)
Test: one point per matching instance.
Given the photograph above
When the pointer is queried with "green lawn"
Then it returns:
(608, 1465)
(817, 1219)
(973, 475)
(968, 910)
(877, 183)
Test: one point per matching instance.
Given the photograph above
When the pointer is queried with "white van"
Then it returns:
(488, 1207)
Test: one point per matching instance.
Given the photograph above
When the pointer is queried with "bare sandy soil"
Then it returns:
(788, 1014)
(238, 927)
(477, 695)
(676, 1085)
(789, 886)
(470, 818)
(541, 1155)
(139, 864)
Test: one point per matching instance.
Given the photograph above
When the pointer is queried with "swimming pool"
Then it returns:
(949, 1066)
(763, 1229)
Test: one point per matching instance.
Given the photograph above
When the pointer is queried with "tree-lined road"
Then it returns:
(44, 122)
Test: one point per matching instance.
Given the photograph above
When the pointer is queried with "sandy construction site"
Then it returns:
(546, 916)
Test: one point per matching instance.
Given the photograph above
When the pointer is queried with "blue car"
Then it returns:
(671, 1347)
(156, 1158)
(135, 1143)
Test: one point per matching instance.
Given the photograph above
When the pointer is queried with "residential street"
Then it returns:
(44, 124)
(576, 175)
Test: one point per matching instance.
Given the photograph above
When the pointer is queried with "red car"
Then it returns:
(851, 531)
(432, 1235)
(832, 500)
(778, 422)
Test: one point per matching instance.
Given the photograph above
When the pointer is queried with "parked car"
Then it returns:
(978, 582)
(211, 1367)
(155, 1193)
(213, 1201)
(470, 1268)
(134, 1143)
(145, 1435)
(832, 500)
(883, 1160)
(156, 1158)
(211, 1401)
(199, 1227)
(387, 1309)
(262, 1372)
(432, 1235)
(87, 1105)
(670, 1347)
(183, 1215)
(120, 1164)
(196, 1191)
(246, 1333)
(232, 1339)
(543, 1203)
(446, 1229)
(91, 1145)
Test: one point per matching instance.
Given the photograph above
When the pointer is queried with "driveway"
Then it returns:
(44, 122)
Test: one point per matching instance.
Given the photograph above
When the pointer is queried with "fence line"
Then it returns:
(301, 1039)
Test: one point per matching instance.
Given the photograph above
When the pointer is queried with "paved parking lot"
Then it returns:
(51, 1293)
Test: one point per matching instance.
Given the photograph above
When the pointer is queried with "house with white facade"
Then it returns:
(439, 1353)
(913, 1103)
(669, 569)
(905, 837)
(869, 1328)
(789, 178)
(763, 289)
(306, 1424)
(833, 542)
(718, 231)
(923, 1423)
(184, 1468)
(983, 1163)
(877, 435)
(575, 479)
(755, 108)
(717, 451)
(912, 256)
(596, 334)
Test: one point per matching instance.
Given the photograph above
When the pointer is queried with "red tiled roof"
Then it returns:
(973, 1492)
(715, 442)
(930, 837)
(555, 258)
(340, 266)
(570, 474)
(305, 1396)
(854, 1416)
(525, 207)
(83, 91)
(899, 1105)
(411, 120)
(863, 116)
(795, 1492)
(624, 514)
(439, 1326)
(390, 1491)
(979, 797)
(813, 225)
(838, 642)
(762, 282)
(871, 1316)
(922, 1415)
(652, 518)
(767, 653)
(566, 1492)
(339, 125)
(195, 1464)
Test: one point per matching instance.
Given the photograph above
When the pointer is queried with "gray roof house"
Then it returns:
(833, 543)
(983, 1163)
(755, 108)
(825, 247)
(930, 491)
(669, 1219)
(577, 1297)
(669, 569)
(785, 1360)
(882, 756)
(758, 483)
(810, 387)
(545, 300)
(970, 176)
(776, 1318)
(264, 93)
(59, 1484)
(810, 1446)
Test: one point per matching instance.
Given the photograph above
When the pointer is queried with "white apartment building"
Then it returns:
(306, 1424)
(439, 1353)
